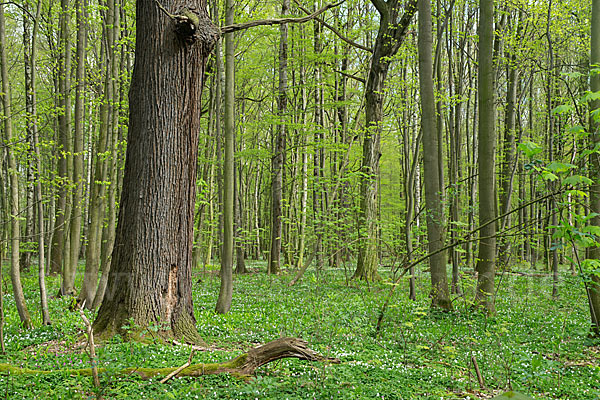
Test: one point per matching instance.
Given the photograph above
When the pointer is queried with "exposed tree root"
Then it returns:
(242, 366)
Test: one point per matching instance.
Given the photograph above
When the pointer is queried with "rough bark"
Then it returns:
(150, 279)
(486, 266)
(433, 197)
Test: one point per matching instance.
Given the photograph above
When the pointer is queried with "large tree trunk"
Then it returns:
(486, 266)
(594, 252)
(433, 197)
(150, 279)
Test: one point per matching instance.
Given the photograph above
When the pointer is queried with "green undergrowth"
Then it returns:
(535, 344)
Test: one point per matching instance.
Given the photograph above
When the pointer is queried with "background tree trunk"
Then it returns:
(59, 237)
(433, 197)
(97, 205)
(594, 252)
(226, 291)
(278, 161)
(391, 34)
(77, 203)
(15, 272)
(486, 267)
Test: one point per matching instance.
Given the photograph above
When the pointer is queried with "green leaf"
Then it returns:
(559, 167)
(590, 96)
(530, 149)
(578, 193)
(575, 180)
(572, 75)
(577, 130)
(592, 230)
(563, 109)
(549, 176)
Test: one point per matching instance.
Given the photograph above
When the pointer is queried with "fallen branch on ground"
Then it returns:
(242, 366)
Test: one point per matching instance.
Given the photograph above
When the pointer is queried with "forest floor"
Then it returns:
(535, 344)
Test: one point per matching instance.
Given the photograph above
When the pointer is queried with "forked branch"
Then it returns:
(277, 21)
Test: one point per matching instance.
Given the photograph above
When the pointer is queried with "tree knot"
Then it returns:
(193, 25)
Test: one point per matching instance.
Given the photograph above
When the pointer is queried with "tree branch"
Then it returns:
(382, 7)
(276, 21)
(401, 29)
(361, 80)
(334, 30)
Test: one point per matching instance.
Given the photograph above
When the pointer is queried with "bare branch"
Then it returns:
(334, 30)
(277, 21)
(358, 78)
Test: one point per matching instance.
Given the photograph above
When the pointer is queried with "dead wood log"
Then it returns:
(246, 364)
(242, 366)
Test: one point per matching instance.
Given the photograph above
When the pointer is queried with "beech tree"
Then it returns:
(393, 28)
(594, 285)
(433, 197)
(486, 266)
(226, 291)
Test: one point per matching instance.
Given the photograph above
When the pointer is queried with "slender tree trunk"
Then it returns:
(278, 161)
(108, 233)
(226, 291)
(486, 266)
(63, 85)
(593, 287)
(390, 36)
(27, 239)
(15, 272)
(509, 158)
(433, 197)
(552, 138)
(33, 122)
(77, 204)
(98, 187)
(240, 262)
(304, 169)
